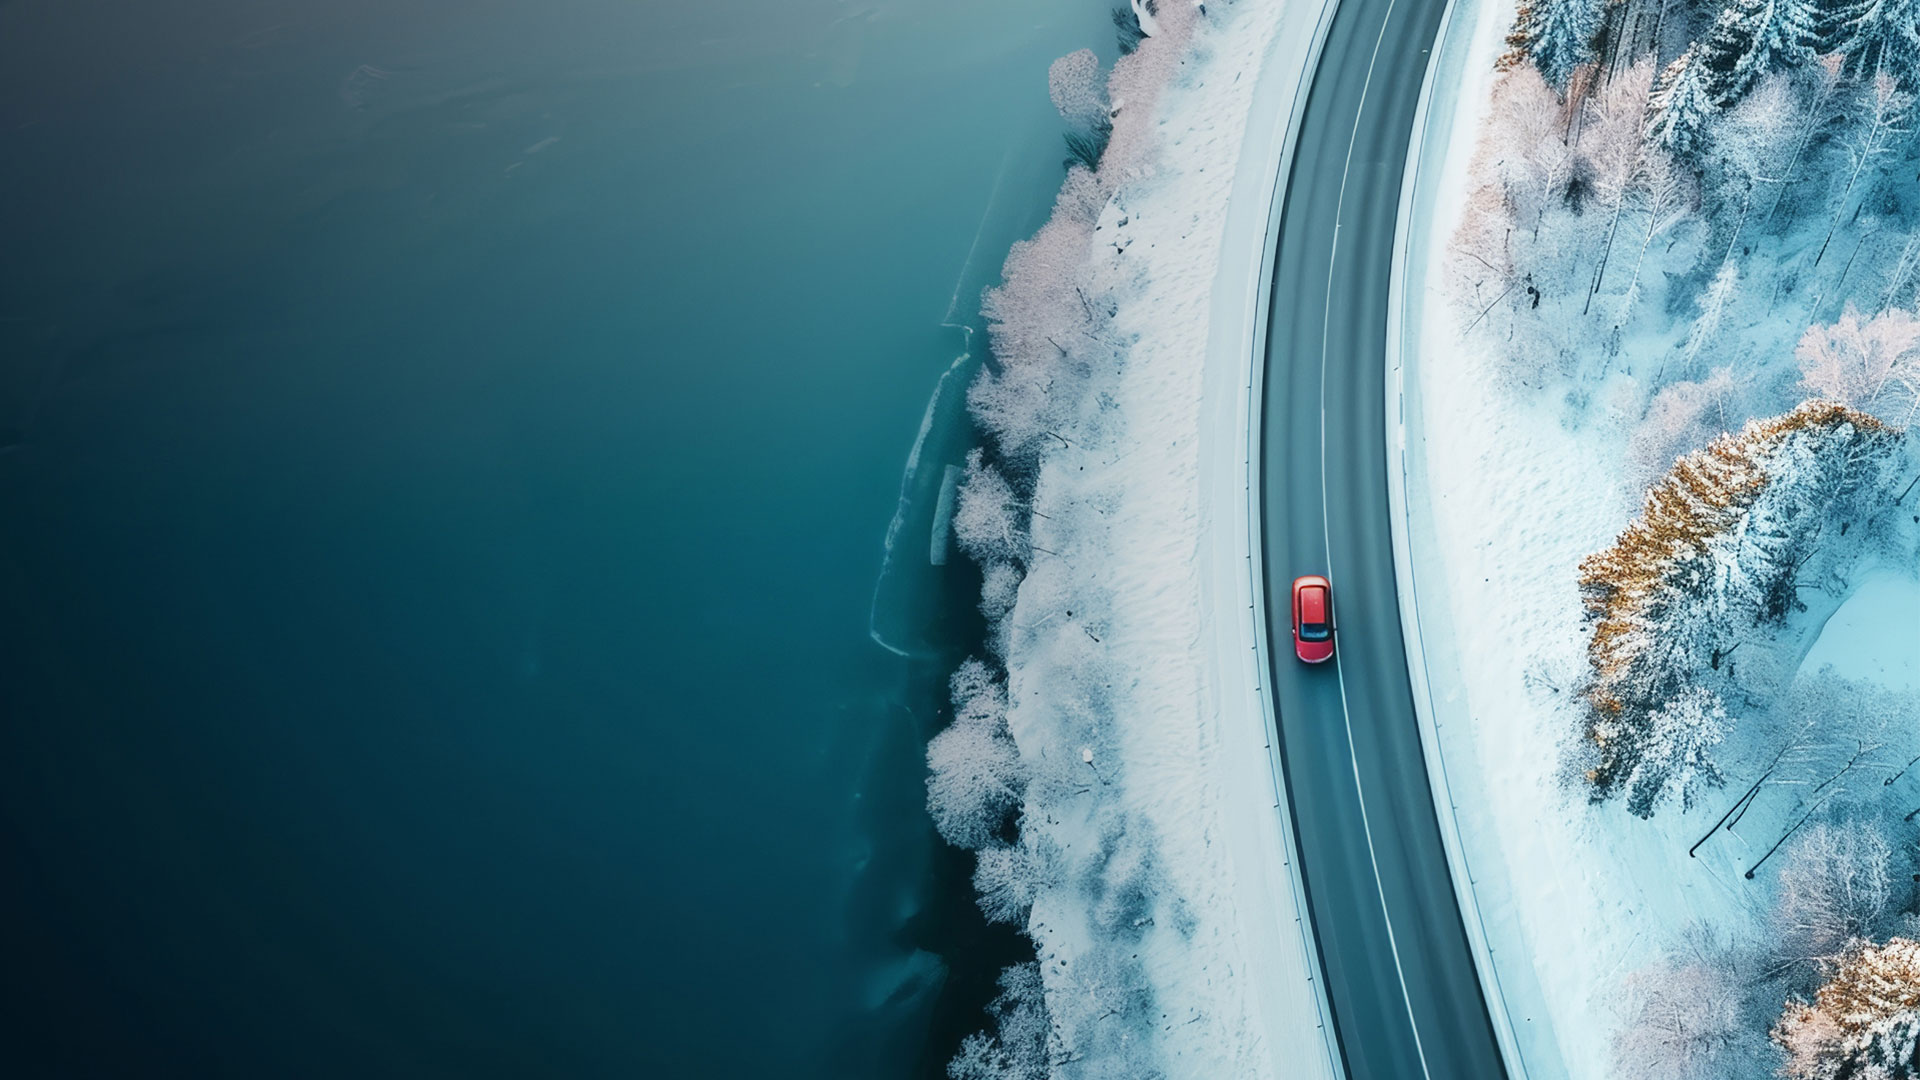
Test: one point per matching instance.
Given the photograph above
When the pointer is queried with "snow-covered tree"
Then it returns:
(1074, 83)
(1862, 1023)
(1748, 151)
(1661, 197)
(1880, 121)
(1137, 81)
(1878, 37)
(989, 520)
(1684, 417)
(1561, 37)
(1710, 561)
(975, 778)
(1682, 107)
(1674, 762)
(1810, 120)
(1613, 147)
(1534, 159)
(1833, 890)
(1039, 313)
(1018, 1048)
(1044, 324)
(1009, 877)
(1713, 308)
(1754, 38)
(1683, 1019)
(1868, 364)
(999, 589)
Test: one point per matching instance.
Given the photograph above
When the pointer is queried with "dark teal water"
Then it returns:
(448, 445)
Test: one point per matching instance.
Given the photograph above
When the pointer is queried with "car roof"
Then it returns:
(1313, 602)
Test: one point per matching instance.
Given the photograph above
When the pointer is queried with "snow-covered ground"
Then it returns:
(1152, 867)
(1235, 984)
(1512, 480)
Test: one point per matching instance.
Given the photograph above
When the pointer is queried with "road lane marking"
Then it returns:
(1346, 713)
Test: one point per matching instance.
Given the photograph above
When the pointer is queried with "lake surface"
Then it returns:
(447, 447)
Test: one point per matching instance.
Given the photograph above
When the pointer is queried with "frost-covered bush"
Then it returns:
(1833, 890)
(1868, 364)
(1077, 90)
(1009, 876)
(1710, 564)
(1018, 1047)
(990, 521)
(1684, 1018)
(975, 778)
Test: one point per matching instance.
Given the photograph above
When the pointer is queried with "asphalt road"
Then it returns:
(1406, 1000)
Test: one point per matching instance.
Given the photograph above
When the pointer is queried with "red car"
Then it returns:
(1312, 619)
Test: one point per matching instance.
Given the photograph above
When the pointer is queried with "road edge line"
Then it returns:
(1451, 48)
(1246, 341)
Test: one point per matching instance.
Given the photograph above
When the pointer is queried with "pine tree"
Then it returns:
(1681, 106)
(1710, 559)
(1753, 38)
(1561, 37)
(1519, 39)
(1675, 762)
(1878, 36)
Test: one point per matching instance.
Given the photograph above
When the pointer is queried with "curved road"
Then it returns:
(1406, 999)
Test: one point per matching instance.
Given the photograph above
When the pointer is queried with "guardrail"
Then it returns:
(1425, 148)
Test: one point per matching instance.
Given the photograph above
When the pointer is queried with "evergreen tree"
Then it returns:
(1681, 106)
(1877, 36)
(1519, 39)
(1561, 37)
(1753, 38)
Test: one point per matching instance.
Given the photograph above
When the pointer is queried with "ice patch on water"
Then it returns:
(892, 593)
(943, 517)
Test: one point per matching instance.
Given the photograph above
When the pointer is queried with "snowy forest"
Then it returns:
(1028, 773)
(1692, 235)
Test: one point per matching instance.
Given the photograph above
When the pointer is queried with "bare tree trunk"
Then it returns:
(1815, 113)
(1869, 150)
(1606, 250)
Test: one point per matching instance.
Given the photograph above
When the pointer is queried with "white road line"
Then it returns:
(1340, 669)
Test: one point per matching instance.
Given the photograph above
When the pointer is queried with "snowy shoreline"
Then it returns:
(1153, 867)
(1240, 990)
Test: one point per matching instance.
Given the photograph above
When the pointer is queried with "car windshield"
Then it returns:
(1313, 631)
